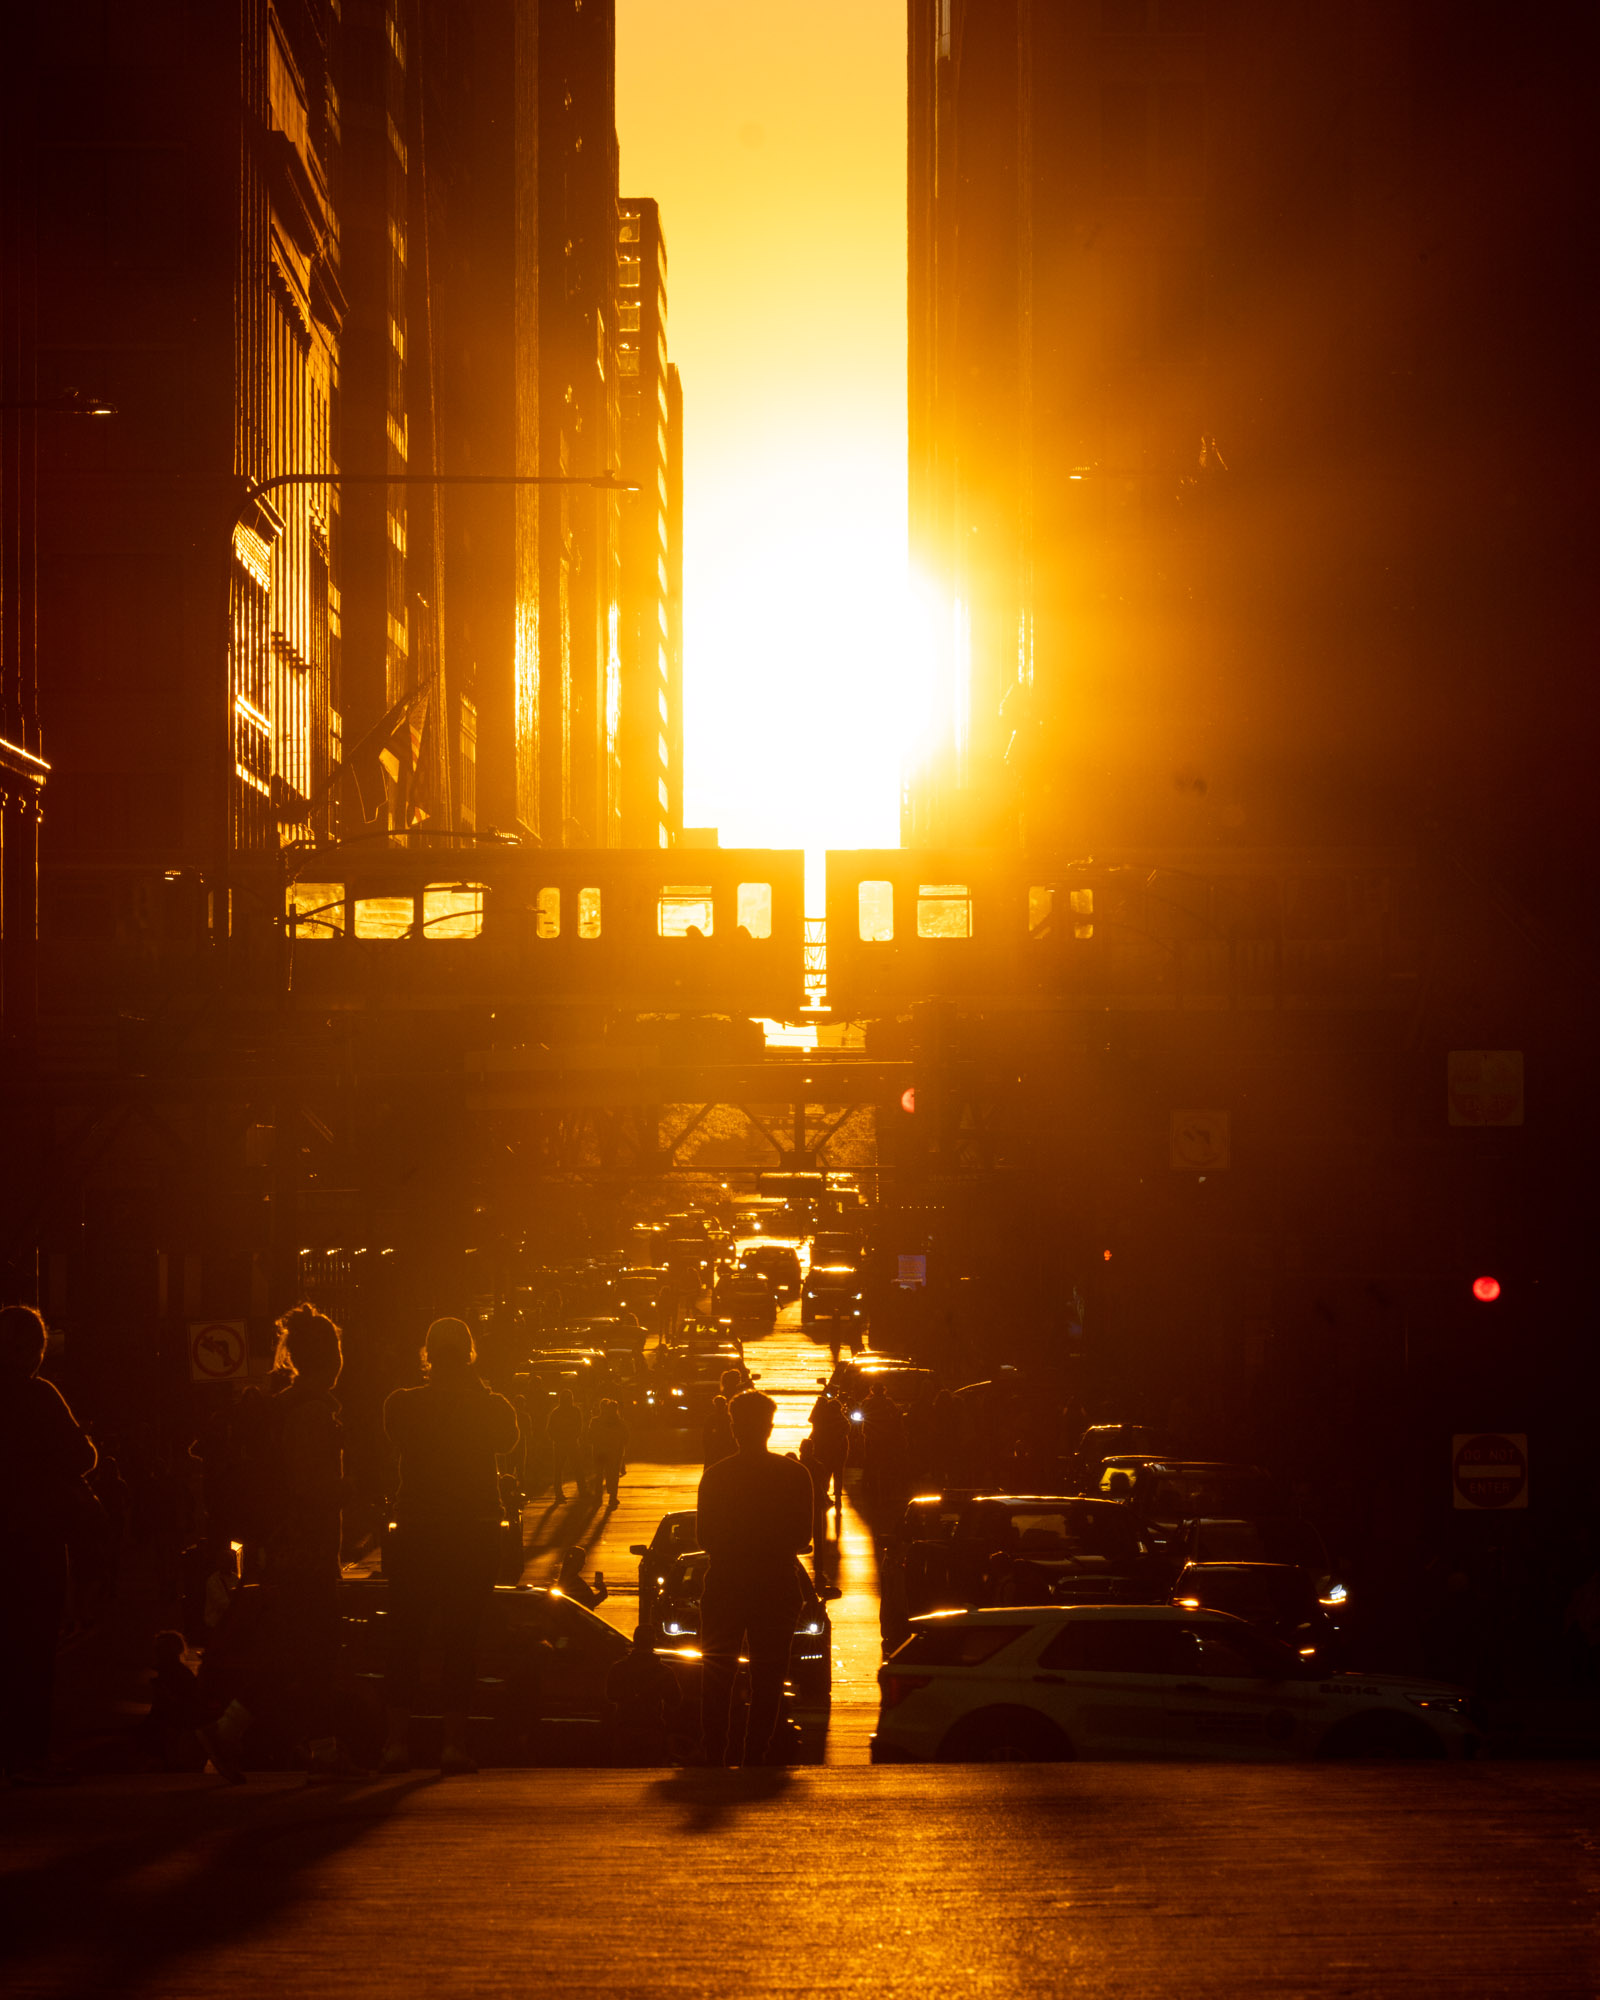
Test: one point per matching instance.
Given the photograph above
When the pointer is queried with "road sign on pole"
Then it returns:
(218, 1350)
(1490, 1469)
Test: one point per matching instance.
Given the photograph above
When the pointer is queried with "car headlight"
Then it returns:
(856, 1417)
(1450, 1704)
(1337, 1594)
(673, 1625)
(813, 1626)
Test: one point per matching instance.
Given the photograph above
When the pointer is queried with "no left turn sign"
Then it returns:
(217, 1350)
(1491, 1469)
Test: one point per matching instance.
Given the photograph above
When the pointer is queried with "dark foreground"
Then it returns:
(1094, 1879)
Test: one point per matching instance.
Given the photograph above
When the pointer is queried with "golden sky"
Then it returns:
(773, 136)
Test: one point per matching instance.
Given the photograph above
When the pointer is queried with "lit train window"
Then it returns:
(385, 916)
(547, 914)
(1041, 909)
(1083, 913)
(944, 910)
(875, 912)
(588, 913)
(684, 910)
(452, 910)
(755, 909)
(316, 909)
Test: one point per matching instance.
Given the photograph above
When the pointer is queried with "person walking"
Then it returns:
(44, 1460)
(830, 1447)
(564, 1430)
(753, 1519)
(608, 1445)
(444, 1549)
(717, 1439)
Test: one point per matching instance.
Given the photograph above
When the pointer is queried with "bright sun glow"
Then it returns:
(778, 158)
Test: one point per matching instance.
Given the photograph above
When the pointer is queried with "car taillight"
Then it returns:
(897, 1686)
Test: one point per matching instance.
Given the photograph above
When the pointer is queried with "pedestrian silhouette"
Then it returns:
(444, 1549)
(44, 1460)
(564, 1429)
(753, 1519)
(717, 1439)
(571, 1582)
(608, 1444)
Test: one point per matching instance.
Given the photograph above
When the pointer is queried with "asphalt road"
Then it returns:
(1141, 1880)
(787, 1365)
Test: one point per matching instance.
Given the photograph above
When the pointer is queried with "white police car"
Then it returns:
(1042, 1683)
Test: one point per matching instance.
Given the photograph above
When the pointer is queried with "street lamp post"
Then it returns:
(279, 482)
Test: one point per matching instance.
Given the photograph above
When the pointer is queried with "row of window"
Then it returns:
(944, 910)
(455, 910)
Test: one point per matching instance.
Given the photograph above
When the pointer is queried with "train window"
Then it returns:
(1041, 909)
(944, 910)
(547, 914)
(1082, 913)
(755, 909)
(385, 916)
(684, 910)
(588, 913)
(452, 910)
(875, 912)
(316, 909)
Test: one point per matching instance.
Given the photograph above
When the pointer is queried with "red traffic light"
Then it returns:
(908, 1098)
(1486, 1290)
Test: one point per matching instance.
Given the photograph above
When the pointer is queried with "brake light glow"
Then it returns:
(897, 1686)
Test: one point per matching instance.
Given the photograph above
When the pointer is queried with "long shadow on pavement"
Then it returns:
(711, 1797)
(86, 1914)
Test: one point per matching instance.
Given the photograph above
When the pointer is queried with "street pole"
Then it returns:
(278, 482)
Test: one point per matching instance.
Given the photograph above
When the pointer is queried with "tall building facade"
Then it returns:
(652, 677)
(1212, 389)
(580, 417)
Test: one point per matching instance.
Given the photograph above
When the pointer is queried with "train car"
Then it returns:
(1269, 928)
(646, 931)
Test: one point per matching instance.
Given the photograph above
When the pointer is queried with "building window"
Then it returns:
(628, 361)
(663, 795)
(665, 839)
(397, 533)
(661, 703)
(628, 273)
(316, 909)
(397, 339)
(385, 916)
(663, 752)
(1041, 909)
(628, 316)
(944, 910)
(452, 910)
(588, 913)
(547, 914)
(754, 905)
(684, 910)
(1082, 913)
(629, 232)
(875, 912)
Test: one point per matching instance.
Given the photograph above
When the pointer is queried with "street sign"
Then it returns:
(912, 1270)
(218, 1350)
(1490, 1469)
(1199, 1141)
(1484, 1086)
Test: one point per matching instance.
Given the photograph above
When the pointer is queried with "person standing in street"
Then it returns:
(44, 1460)
(753, 1518)
(564, 1429)
(444, 1549)
(717, 1440)
(608, 1445)
(830, 1447)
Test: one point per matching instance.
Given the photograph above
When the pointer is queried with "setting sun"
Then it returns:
(780, 169)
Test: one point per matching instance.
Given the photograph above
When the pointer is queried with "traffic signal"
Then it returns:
(1486, 1290)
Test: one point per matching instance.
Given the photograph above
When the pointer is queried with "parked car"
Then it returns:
(1274, 1538)
(1040, 1684)
(675, 1621)
(1278, 1598)
(1167, 1494)
(1021, 1549)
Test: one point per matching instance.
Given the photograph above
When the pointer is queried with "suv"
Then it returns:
(675, 1619)
(1166, 1494)
(1037, 1684)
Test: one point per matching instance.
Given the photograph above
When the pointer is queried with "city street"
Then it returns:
(787, 1366)
(1180, 1880)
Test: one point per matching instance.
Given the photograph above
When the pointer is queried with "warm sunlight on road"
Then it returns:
(775, 143)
